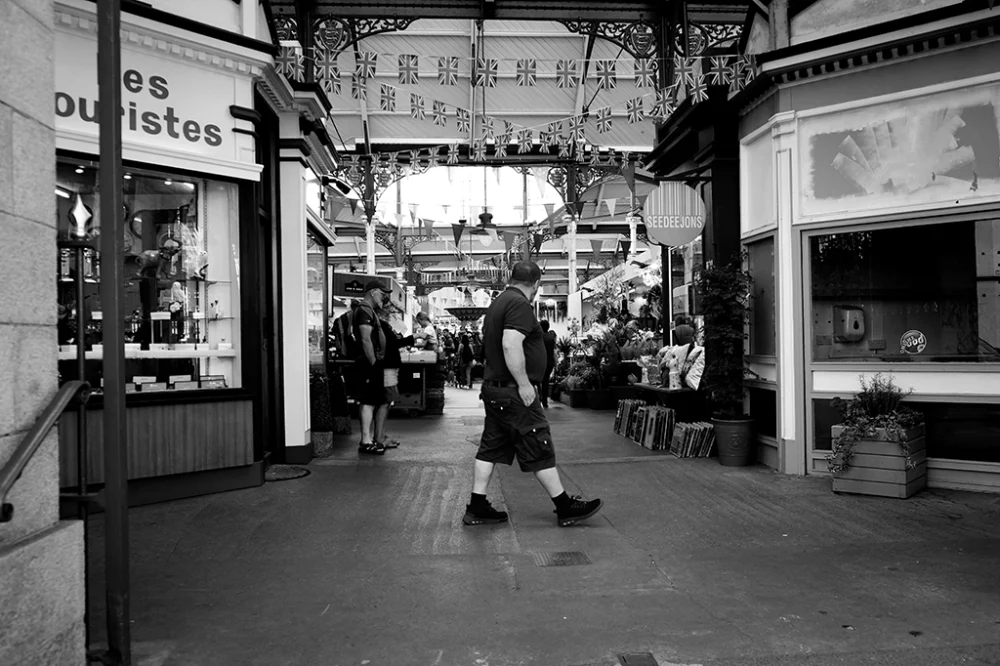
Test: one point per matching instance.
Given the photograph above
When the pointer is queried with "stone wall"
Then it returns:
(41, 558)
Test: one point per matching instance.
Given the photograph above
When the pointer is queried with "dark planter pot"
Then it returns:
(600, 399)
(575, 398)
(734, 440)
(619, 393)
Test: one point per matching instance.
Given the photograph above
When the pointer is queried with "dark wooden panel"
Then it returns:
(166, 439)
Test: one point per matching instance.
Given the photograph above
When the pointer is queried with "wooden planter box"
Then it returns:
(879, 466)
(575, 398)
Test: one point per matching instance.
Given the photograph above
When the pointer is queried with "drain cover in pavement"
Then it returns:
(637, 659)
(561, 559)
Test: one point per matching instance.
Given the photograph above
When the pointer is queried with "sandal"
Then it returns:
(374, 448)
(390, 443)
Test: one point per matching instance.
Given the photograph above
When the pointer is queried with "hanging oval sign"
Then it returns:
(912, 342)
(675, 214)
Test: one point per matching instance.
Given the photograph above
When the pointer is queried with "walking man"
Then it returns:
(516, 426)
(370, 366)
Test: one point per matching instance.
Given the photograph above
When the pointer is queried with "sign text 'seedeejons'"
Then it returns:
(675, 214)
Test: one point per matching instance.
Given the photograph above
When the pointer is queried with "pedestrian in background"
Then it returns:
(515, 424)
(466, 359)
(390, 372)
(549, 337)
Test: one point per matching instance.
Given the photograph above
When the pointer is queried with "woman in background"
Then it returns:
(466, 359)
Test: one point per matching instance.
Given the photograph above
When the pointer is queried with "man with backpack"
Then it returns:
(370, 377)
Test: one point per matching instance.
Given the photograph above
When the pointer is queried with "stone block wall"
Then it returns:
(41, 558)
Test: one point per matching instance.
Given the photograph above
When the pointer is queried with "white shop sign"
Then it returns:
(173, 113)
(674, 214)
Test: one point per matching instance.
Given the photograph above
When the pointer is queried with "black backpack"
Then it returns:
(348, 346)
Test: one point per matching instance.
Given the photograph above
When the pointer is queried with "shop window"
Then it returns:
(825, 416)
(764, 410)
(685, 263)
(181, 292)
(909, 294)
(316, 270)
(956, 431)
(761, 266)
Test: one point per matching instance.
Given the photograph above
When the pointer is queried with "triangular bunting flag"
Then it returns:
(457, 230)
(626, 246)
(550, 208)
(579, 207)
(610, 203)
(508, 240)
(538, 239)
(595, 247)
(628, 171)
(354, 206)
(428, 227)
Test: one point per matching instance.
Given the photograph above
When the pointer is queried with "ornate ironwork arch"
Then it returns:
(638, 38)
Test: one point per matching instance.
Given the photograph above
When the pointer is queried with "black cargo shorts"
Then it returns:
(513, 430)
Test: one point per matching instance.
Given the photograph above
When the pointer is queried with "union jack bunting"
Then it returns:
(633, 108)
(750, 70)
(414, 158)
(699, 90)
(290, 63)
(486, 73)
(566, 74)
(563, 147)
(453, 154)
(545, 138)
(501, 149)
(684, 71)
(409, 69)
(358, 89)
(365, 64)
(326, 70)
(576, 128)
(526, 72)
(720, 73)
(488, 130)
(645, 73)
(387, 98)
(524, 141)
(448, 71)
(508, 129)
(664, 103)
(437, 111)
(604, 119)
(462, 120)
(417, 107)
(595, 159)
(479, 149)
(737, 75)
(606, 77)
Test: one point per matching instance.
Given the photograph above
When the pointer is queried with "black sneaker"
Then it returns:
(577, 510)
(374, 449)
(484, 514)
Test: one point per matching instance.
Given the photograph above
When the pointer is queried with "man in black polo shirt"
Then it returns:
(515, 425)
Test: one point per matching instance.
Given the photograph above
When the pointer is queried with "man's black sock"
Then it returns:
(478, 500)
(563, 500)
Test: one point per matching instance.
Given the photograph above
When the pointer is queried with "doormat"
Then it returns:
(285, 472)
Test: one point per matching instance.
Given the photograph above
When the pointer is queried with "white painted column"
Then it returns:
(294, 309)
(370, 247)
(791, 372)
(572, 256)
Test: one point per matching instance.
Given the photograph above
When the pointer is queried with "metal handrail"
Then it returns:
(11, 472)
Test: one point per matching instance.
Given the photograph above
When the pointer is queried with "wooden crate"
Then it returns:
(879, 466)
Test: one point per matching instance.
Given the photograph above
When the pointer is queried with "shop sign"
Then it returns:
(912, 342)
(675, 214)
(166, 103)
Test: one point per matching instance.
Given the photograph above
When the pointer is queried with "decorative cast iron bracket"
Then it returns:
(334, 35)
(638, 38)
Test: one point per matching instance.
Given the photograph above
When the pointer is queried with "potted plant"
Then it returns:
(606, 359)
(725, 293)
(879, 447)
(582, 377)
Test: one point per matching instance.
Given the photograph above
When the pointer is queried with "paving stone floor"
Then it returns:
(366, 562)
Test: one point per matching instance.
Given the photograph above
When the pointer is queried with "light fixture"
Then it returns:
(168, 182)
(62, 193)
(128, 176)
(79, 169)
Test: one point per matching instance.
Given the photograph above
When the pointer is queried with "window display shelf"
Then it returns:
(201, 352)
